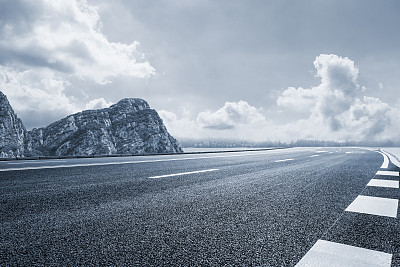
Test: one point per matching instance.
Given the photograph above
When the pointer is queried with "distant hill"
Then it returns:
(128, 127)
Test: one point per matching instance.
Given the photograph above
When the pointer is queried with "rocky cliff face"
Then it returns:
(128, 127)
(14, 139)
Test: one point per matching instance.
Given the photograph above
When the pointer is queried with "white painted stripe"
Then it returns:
(330, 152)
(321, 151)
(383, 183)
(385, 163)
(182, 173)
(388, 173)
(283, 160)
(314, 156)
(35, 162)
(133, 162)
(348, 152)
(329, 254)
(374, 206)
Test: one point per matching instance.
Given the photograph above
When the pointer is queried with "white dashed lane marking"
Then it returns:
(326, 253)
(313, 156)
(374, 206)
(383, 183)
(283, 160)
(182, 173)
(388, 173)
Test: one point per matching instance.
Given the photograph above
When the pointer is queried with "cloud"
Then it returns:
(337, 73)
(336, 108)
(98, 103)
(49, 50)
(35, 94)
(237, 120)
(299, 99)
(230, 115)
(182, 125)
(65, 36)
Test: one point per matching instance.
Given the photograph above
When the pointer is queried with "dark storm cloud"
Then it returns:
(35, 57)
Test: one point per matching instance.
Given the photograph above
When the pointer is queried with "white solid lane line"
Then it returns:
(35, 162)
(388, 173)
(313, 156)
(283, 160)
(329, 254)
(385, 163)
(132, 162)
(374, 206)
(383, 183)
(182, 173)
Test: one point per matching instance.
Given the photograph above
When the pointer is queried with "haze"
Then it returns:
(254, 70)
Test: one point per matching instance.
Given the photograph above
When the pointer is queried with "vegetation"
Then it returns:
(232, 143)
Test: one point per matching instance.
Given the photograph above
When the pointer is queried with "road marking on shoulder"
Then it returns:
(385, 163)
(348, 152)
(374, 206)
(383, 183)
(389, 173)
(283, 160)
(314, 156)
(182, 173)
(326, 253)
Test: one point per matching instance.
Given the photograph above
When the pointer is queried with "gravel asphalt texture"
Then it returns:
(253, 211)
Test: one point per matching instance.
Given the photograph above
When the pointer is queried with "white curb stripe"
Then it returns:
(374, 206)
(383, 183)
(389, 173)
(329, 254)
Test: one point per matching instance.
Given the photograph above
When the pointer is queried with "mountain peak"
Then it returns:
(131, 104)
(128, 127)
(14, 139)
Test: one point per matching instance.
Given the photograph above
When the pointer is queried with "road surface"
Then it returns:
(282, 207)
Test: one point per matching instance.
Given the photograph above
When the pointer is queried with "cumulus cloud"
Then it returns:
(337, 109)
(333, 110)
(237, 120)
(66, 36)
(36, 93)
(231, 114)
(44, 45)
(98, 103)
(181, 125)
(299, 99)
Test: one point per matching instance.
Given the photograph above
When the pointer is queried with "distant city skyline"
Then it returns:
(254, 70)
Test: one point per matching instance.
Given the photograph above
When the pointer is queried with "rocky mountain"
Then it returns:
(128, 127)
(14, 138)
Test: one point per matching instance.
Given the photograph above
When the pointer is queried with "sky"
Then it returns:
(258, 70)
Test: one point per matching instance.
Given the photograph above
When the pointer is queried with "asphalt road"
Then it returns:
(266, 208)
